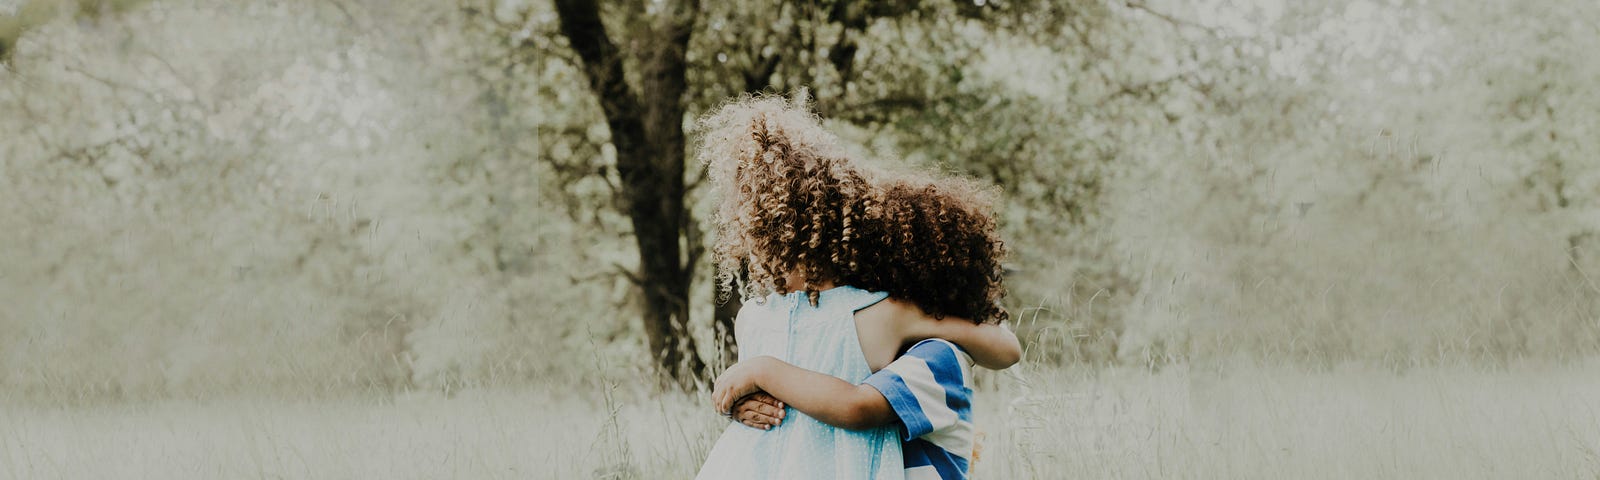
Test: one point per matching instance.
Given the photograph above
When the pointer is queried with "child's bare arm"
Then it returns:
(893, 324)
(991, 345)
(824, 397)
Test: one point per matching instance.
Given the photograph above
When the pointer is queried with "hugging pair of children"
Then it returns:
(871, 297)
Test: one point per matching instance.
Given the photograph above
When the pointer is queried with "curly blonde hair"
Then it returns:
(791, 201)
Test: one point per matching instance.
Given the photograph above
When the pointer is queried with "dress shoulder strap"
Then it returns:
(857, 299)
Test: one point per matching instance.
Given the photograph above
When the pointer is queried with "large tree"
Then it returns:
(646, 126)
(640, 77)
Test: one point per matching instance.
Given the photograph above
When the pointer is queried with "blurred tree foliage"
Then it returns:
(21, 15)
(336, 194)
(1189, 179)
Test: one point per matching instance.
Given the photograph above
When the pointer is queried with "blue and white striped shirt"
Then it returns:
(930, 389)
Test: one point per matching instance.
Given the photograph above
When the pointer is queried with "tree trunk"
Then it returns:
(650, 147)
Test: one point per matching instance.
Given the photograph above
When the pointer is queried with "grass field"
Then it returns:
(1240, 420)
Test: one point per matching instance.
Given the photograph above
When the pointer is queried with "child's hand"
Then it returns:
(735, 383)
(759, 410)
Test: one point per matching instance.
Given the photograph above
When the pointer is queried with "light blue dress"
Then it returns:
(822, 339)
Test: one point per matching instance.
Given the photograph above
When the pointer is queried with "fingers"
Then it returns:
(717, 403)
(765, 398)
(767, 410)
(720, 401)
(759, 411)
(756, 419)
(720, 393)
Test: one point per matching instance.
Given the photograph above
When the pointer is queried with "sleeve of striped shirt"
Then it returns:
(927, 387)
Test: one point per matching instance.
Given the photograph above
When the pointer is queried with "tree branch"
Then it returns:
(602, 66)
(1170, 19)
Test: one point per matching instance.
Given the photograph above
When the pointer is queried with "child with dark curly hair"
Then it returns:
(871, 296)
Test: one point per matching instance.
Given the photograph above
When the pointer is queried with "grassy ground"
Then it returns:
(1218, 421)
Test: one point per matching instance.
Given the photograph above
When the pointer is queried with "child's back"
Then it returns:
(821, 338)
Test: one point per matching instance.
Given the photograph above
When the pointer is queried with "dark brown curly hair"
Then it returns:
(791, 201)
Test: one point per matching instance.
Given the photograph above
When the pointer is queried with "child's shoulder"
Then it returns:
(895, 308)
(768, 302)
(904, 312)
(939, 349)
(758, 308)
(896, 314)
(935, 345)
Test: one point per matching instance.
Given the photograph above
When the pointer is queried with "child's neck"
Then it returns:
(795, 283)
